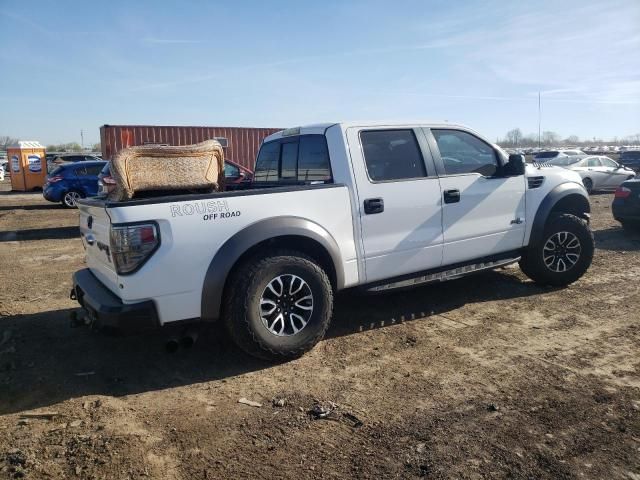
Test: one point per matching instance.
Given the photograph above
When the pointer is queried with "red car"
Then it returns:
(236, 177)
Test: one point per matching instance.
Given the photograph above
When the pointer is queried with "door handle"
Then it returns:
(373, 205)
(451, 196)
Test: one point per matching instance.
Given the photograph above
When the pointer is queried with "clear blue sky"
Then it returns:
(70, 65)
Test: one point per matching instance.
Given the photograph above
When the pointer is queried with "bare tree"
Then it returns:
(7, 141)
(514, 137)
(572, 140)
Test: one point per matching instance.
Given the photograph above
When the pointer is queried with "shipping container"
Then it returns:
(240, 144)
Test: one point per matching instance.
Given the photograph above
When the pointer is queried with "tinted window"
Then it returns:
(80, 172)
(94, 169)
(57, 170)
(231, 171)
(546, 155)
(392, 155)
(462, 152)
(313, 160)
(630, 156)
(289, 161)
(267, 163)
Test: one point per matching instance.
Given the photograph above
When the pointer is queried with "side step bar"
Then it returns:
(445, 275)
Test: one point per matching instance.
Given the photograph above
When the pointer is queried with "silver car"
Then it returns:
(598, 173)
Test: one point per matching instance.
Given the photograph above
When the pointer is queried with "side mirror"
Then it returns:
(515, 166)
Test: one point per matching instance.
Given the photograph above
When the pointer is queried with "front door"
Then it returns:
(483, 214)
(399, 201)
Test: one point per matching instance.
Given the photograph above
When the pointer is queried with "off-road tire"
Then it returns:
(532, 261)
(588, 185)
(241, 309)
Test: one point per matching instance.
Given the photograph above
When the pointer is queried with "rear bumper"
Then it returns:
(624, 210)
(107, 310)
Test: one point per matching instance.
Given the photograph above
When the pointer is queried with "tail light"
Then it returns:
(108, 180)
(622, 192)
(54, 179)
(132, 245)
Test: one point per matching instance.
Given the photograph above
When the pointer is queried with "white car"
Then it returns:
(546, 156)
(597, 172)
(334, 206)
(1, 173)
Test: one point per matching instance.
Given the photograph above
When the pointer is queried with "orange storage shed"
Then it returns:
(27, 165)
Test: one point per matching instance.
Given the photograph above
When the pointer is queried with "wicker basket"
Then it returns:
(145, 168)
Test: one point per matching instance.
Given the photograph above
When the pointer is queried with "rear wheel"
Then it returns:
(70, 199)
(630, 225)
(564, 254)
(588, 185)
(278, 306)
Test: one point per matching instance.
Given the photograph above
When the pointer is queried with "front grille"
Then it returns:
(535, 182)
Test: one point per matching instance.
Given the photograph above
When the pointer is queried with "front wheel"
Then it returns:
(278, 306)
(564, 254)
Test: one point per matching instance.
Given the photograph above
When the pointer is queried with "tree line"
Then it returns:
(515, 138)
(6, 141)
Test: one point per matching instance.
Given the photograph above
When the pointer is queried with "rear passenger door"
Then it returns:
(483, 213)
(399, 201)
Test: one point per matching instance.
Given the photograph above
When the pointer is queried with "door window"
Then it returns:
(593, 162)
(392, 155)
(231, 171)
(463, 153)
(607, 162)
(81, 172)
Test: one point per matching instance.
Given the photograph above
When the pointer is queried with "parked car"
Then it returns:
(1, 173)
(70, 182)
(236, 176)
(547, 155)
(631, 159)
(332, 206)
(69, 158)
(626, 204)
(597, 173)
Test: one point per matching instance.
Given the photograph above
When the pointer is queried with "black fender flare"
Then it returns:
(549, 202)
(227, 256)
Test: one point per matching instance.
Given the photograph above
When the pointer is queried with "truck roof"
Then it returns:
(321, 128)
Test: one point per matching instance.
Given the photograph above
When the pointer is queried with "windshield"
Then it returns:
(563, 161)
(57, 170)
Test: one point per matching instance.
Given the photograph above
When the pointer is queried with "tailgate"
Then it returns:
(94, 229)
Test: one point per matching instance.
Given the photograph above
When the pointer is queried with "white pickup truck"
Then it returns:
(332, 207)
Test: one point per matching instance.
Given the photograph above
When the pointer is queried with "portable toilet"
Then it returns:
(28, 165)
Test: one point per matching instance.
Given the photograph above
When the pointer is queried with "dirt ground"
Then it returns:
(485, 377)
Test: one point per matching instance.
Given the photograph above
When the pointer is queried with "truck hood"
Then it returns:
(552, 174)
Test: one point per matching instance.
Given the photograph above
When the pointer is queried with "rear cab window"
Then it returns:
(302, 159)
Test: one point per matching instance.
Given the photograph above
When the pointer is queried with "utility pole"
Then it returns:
(539, 118)
(82, 139)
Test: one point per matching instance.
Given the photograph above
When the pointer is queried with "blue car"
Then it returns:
(71, 181)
